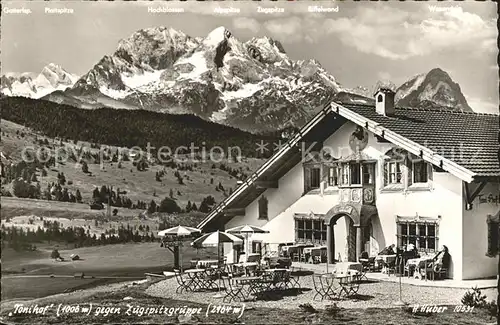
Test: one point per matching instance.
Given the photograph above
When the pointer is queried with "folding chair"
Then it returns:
(183, 284)
(234, 291)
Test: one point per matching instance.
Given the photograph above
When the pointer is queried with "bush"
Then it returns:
(169, 205)
(491, 307)
(308, 308)
(474, 298)
(55, 254)
(333, 310)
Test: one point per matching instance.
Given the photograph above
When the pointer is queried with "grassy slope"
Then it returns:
(139, 185)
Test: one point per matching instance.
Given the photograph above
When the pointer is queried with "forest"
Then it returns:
(128, 128)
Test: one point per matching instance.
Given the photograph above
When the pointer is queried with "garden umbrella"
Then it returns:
(178, 232)
(215, 239)
(247, 230)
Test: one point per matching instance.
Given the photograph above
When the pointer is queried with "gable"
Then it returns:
(465, 153)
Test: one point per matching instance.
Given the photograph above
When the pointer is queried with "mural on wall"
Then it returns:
(358, 139)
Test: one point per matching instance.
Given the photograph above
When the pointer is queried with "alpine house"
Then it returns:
(362, 177)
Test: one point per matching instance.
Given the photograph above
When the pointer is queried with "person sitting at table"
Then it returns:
(441, 261)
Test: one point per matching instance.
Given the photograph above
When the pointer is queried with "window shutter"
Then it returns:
(429, 171)
(398, 235)
(307, 179)
(385, 168)
(493, 238)
(263, 208)
(409, 171)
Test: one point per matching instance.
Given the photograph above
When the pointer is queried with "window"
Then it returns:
(310, 231)
(368, 173)
(420, 172)
(355, 169)
(493, 236)
(392, 173)
(332, 176)
(315, 177)
(380, 98)
(422, 235)
(312, 179)
(344, 174)
(354, 173)
(263, 208)
(256, 247)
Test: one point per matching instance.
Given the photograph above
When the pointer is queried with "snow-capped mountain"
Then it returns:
(51, 78)
(433, 89)
(252, 85)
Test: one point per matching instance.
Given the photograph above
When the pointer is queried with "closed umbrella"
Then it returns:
(247, 230)
(179, 232)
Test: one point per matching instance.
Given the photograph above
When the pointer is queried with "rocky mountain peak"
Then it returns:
(216, 36)
(433, 89)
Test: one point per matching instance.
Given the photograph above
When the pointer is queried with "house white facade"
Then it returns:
(363, 189)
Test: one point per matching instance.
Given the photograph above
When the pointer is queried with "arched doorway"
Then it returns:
(348, 243)
(343, 242)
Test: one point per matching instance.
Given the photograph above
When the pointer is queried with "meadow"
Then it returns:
(27, 275)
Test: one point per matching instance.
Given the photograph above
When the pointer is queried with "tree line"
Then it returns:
(26, 239)
(127, 128)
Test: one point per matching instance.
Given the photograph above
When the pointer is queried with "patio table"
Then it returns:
(326, 286)
(196, 279)
(247, 266)
(277, 278)
(345, 267)
(251, 282)
(206, 263)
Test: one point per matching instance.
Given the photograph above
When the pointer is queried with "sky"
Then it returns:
(359, 44)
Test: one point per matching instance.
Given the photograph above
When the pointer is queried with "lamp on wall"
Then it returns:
(468, 206)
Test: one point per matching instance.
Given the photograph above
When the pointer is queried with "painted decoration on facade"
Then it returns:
(368, 195)
(356, 195)
(344, 195)
(358, 139)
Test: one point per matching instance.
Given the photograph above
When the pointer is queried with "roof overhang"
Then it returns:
(410, 146)
(288, 153)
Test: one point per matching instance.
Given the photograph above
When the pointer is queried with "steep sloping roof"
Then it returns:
(464, 144)
(469, 140)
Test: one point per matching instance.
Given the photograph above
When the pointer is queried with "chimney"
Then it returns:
(384, 101)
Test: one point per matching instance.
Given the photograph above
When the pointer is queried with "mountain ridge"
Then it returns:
(252, 85)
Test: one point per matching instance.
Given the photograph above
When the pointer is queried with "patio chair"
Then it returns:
(183, 284)
(440, 271)
(390, 267)
(211, 279)
(234, 291)
(409, 269)
(435, 271)
(350, 283)
(367, 262)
